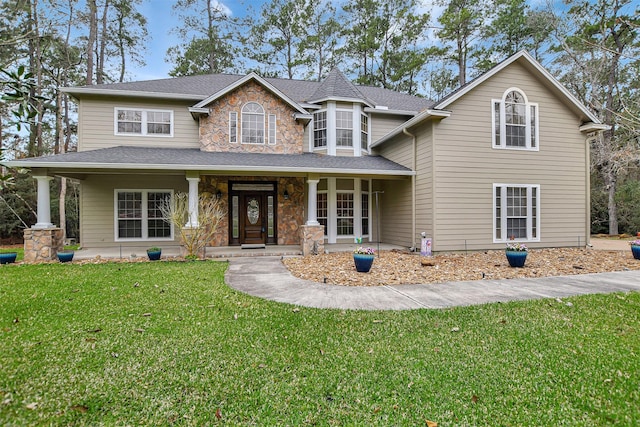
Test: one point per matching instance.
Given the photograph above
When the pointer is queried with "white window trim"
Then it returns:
(264, 127)
(326, 129)
(503, 126)
(272, 128)
(143, 130)
(145, 223)
(367, 149)
(345, 147)
(503, 217)
(233, 121)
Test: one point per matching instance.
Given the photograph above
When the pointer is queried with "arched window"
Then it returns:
(252, 123)
(515, 121)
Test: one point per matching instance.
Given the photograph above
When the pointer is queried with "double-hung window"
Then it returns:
(130, 121)
(516, 212)
(364, 132)
(320, 129)
(344, 128)
(515, 121)
(139, 215)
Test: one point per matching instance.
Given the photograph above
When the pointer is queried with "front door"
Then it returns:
(254, 222)
(253, 213)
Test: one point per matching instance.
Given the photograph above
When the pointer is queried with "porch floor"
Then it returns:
(128, 252)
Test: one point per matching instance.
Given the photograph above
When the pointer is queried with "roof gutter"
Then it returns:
(76, 91)
(225, 168)
(412, 122)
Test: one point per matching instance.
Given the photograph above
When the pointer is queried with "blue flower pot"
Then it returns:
(516, 258)
(635, 250)
(8, 257)
(65, 256)
(363, 262)
(154, 255)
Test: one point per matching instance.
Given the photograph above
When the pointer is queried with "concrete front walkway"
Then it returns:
(267, 277)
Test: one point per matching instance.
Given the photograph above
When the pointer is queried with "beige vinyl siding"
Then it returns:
(396, 201)
(466, 167)
(424, 180)
(395, 206)
(97, 205)
(96, 126)
(382, 124)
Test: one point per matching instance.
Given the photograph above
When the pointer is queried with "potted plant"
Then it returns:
(8, 257)
(154, 253)
(65, 255)
(516, 254)
(635, 248)
(363, 259)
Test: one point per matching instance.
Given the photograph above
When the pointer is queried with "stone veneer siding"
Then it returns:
(42, 244)
(290, 212)
(214, 129)
(312, 239)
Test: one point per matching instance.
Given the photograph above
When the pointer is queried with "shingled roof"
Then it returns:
(146, 158)
(199, 87)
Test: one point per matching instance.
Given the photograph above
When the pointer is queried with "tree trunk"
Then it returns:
(93, 29)
(610, 183)
(103, 45)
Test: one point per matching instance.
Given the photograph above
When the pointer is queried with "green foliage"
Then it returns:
(207, 45)
(628, 200)
(170, 343)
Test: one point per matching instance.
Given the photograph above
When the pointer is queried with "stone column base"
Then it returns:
(42, 244)
(312, 239)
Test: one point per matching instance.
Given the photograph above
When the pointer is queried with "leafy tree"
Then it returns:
(388, 43)
(276, 40)
(462, 22)
(207, 42)
(599, 47)
(321, 45)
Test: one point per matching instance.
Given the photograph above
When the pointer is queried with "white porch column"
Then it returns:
(193, 202)
(312, 201)
(44, 202)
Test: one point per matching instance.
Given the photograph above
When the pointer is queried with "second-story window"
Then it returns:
(344, 128)
(129, 121)
(252, 123)
(320, 129)
(364, 132)
(515, 121)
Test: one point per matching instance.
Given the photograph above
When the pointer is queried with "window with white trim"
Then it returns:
(344, 128)
(516, 212)
(233, 127)
(272, 129)
(515, 121)
(252, 123)
(129, 121)
(139, 215)
(320, 129)
(364, 132)
(364, 208)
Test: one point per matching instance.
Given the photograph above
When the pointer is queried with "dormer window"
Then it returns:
(515, 121)
(252, 123)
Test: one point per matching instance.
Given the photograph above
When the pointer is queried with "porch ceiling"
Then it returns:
(142, 159)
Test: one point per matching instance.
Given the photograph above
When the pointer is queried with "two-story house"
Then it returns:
(312, 163)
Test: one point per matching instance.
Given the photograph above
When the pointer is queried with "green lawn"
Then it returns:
(168, 343)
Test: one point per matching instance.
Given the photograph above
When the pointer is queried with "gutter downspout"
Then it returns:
(413, 188)
(588, 191)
